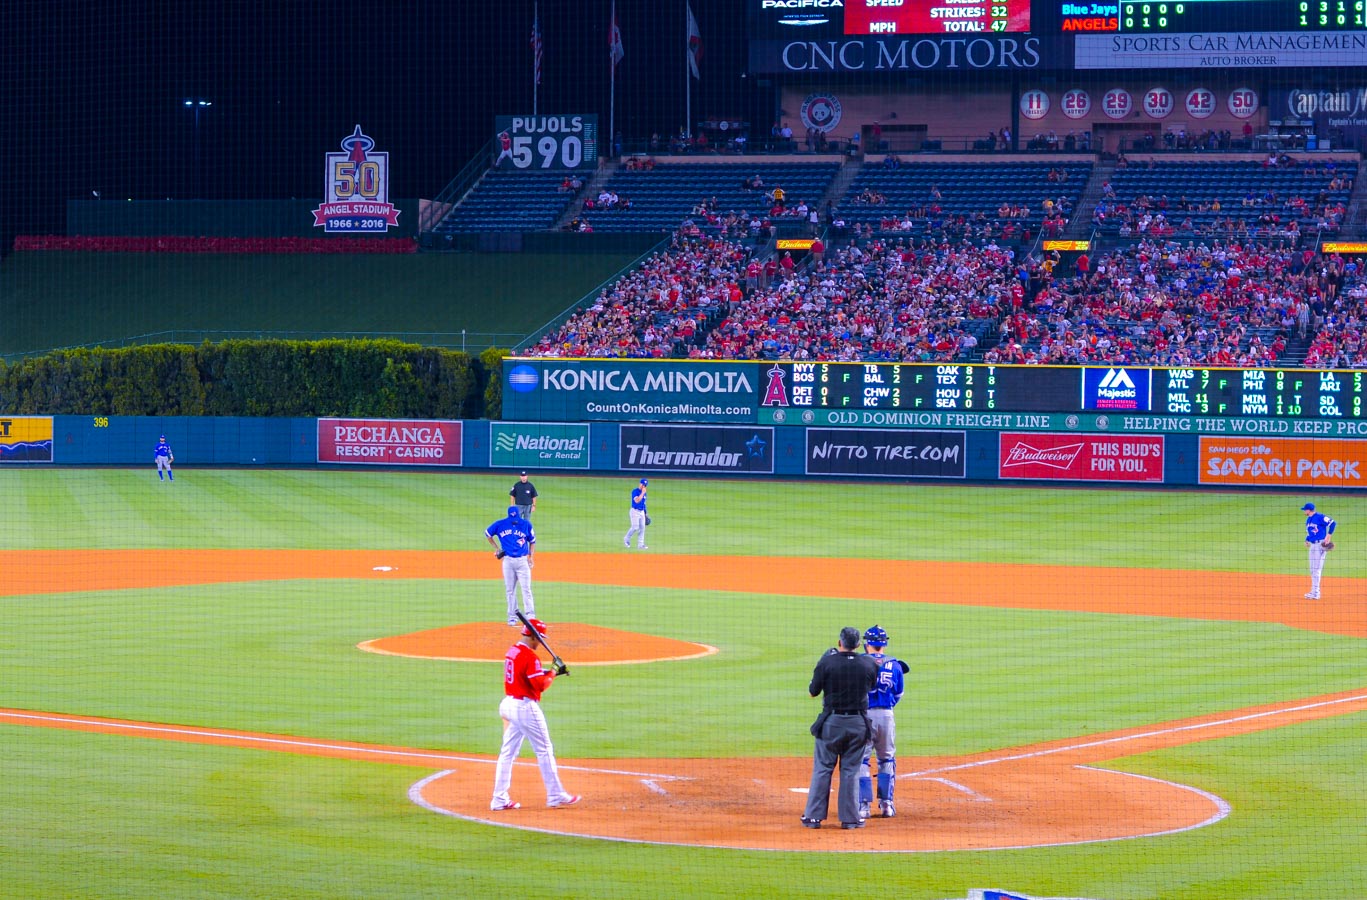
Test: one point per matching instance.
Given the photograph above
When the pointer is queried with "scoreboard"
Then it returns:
(1280, 393)
(1270, 393)
(930, 387)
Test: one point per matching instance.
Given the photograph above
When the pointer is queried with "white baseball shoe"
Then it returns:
(496, 806)
(571, 800)
(1312, 596)
(888, 809)
(642, 547)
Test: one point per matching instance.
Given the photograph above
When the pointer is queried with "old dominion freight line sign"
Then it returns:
(557, 390)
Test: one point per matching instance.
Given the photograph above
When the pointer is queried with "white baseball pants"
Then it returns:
(1317, 555)
(638, 526)
(518, 571)
(526, 721)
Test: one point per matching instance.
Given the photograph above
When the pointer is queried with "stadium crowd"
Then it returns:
(883, 298)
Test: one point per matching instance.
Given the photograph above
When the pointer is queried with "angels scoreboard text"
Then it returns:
(1274, 393)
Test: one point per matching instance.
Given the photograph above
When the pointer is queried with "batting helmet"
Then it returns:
(876, 637)
(539, 625)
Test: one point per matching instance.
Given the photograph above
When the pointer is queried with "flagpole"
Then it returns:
(536, 82)
(612, 82)
(688, 79)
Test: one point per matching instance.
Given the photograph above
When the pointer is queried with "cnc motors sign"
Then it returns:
(884, 453)
(1081, 457)
(389, 442)
(629, 390)
(1283, 462)
(666, 448)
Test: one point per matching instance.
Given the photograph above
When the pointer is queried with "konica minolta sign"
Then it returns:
(557, 390)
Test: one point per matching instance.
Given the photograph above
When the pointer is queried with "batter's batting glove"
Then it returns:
(562, 669)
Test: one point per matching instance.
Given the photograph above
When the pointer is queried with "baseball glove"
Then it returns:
(1329, 545)
(647, 520)
(499, 555)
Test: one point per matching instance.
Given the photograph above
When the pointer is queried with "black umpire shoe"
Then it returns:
(810, 823)
(859, 824)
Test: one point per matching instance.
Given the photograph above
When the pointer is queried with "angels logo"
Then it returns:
(821, 111)
(357, 191)
(776, 394)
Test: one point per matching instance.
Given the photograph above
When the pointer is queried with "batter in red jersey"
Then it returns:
(523, 682)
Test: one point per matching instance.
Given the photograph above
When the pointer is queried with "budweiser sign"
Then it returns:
(1088, 457)
(1055, 457)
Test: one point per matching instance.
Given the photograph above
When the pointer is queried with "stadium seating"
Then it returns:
(1254, 199)
(509, 201)
(906, 194)
(664, 196)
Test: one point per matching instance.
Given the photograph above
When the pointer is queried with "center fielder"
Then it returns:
(515, 542)
(523, 683)
(887, 691)
(1318, 531)
(164, 457)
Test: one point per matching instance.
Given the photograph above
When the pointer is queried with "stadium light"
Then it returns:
(198, 105)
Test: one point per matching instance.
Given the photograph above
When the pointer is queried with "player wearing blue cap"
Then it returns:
(639, 519)
(886, 692)
(163, 458)
(1318, 529)
(514, 542)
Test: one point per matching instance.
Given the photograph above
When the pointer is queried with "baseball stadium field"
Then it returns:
(285, 683)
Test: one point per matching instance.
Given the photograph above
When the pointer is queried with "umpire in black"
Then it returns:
(845, 677)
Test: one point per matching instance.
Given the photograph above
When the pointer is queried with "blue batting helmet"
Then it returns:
(876, 637)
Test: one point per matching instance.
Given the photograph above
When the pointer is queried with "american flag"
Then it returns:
(615, 52)
(537, 48)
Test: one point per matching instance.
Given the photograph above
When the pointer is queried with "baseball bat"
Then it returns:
(560, 666)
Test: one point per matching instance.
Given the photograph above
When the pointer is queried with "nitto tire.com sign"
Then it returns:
(554, 390)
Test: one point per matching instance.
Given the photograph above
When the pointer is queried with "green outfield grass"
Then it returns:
(102, 816)
(52, 299)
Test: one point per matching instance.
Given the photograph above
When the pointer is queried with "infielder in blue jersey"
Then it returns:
(1318, 531)
(887, 690)
(164, 457)
(515, 541)
(639, 519)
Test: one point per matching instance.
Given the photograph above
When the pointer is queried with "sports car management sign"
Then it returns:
(1081, 457)
(667, 448)
(880, 453)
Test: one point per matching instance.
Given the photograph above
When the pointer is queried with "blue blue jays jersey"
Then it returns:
(1318, 526)
(888, 689)
(163, 449)
(515, 536)
(638, 499)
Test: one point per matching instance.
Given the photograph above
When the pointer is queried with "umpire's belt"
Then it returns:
(849, 712)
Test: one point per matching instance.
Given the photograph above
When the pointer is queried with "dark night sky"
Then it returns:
(91, 93)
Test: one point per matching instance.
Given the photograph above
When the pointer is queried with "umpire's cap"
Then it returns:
(539, 625)
(1309, 507)
(512, 512)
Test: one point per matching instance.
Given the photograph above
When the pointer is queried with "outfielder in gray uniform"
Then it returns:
(515, 542)
(886, 693)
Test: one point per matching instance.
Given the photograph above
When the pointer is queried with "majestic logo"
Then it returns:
(522, 379)
(1116, 378)
(356, 196)
(820, 111)
(1061, 458)
(776, 394)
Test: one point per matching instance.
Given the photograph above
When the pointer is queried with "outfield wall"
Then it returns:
(984, 447)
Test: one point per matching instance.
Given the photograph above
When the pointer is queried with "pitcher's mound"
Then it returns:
(577, 644)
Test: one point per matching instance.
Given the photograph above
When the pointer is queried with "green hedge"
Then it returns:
(368, 378)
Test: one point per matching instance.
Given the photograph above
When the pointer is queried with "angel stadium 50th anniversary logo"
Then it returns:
(356, 196)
